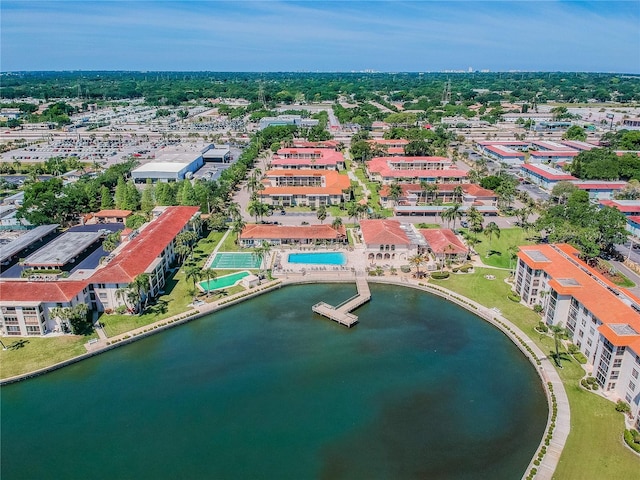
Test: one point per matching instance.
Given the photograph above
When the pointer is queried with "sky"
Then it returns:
(324, 36)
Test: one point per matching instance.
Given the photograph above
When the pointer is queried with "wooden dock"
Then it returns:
(341, 313)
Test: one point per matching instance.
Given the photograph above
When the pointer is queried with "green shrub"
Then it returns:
(622, 407)
(405, 269)
(466, 268)
(514, 298)
(632, 438)
(542, 327)
(440, 275)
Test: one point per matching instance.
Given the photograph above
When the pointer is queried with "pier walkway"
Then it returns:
(341, 313)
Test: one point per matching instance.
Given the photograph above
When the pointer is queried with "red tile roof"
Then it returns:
(554, 153)
(59, 291)
(545, 174)
(291, 232)
(623, 207)
(327, 156)
(113, 213)
(381, 166)
(383, 232)
(443, 241)
(505, 151)
(590, 292)
(141, 251)
(385, 141)
(335, 183)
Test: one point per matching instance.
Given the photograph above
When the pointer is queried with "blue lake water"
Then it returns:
(319, 258)
(420, 388)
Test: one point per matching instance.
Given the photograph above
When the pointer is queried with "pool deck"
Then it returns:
(341, 313)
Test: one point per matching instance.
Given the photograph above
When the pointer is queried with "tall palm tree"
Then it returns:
(142, 286)
(237, 226)
(322, 213)
(472, 240)
(559, 333)
(209, 274)
(123, 294)
(424, 188)
(336, 223)
(454, 214)
(395, 192)
(352, 210)
(457, 194)
(490, 230)
(417, 260)
(475, 219)
(432, 190)
(261, 252)
(233, 210)
(194, 274)
(254, 209)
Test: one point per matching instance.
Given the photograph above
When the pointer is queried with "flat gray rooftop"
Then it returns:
(24, 241)
(536, 255)
(62, 250)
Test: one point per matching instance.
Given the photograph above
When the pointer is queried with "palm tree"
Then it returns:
(432, 189)
(142, 286)
(336, 223)
(237, 226)
(395, 192)
(254, 209)
(416, 261)
(453, 213)
(457, 194)
(424, 188)
(475, 219)
(194, 274)
(490, 230)
(352, 210)
(233, 210)
(123, 294)
(261, 252)
(472, 240)
(209, 274)
(559, 333)
(513, 255)
(322, 213)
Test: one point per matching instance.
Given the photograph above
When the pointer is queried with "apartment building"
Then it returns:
(388, 170)
(603, 320)
(307, 187)
(25, 305)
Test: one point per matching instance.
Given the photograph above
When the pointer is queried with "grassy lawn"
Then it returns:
(594, 448)
(230, 244)
(497, 248)
(428, 225)
(28, 354)
(174, 301)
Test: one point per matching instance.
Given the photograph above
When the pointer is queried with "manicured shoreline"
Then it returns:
(546, 371)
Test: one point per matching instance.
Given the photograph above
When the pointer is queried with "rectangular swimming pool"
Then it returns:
(319, 258)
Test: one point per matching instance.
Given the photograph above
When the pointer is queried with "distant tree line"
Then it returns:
(415, 90)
